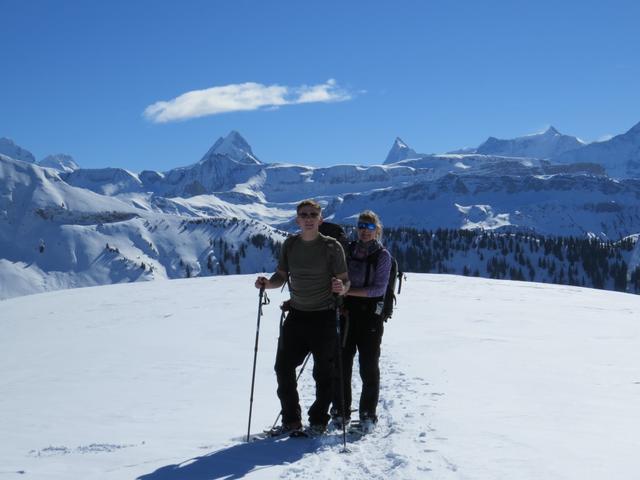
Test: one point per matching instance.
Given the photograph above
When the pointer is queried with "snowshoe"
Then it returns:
(312, 431)
(282, 430)
(337, 423)
(363, 427)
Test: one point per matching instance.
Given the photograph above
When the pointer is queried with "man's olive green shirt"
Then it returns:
(311, 265)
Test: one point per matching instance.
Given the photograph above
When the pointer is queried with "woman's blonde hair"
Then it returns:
(372, 217)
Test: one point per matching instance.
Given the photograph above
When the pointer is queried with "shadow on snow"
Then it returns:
(237, 461)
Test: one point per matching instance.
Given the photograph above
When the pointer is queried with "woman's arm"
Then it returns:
(380, 279)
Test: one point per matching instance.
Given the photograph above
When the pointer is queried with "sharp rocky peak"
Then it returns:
(399, 151)
(233, 146)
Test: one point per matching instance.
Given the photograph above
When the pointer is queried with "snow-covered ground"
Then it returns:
(481, 379)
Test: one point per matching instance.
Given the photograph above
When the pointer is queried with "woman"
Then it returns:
(369, 264)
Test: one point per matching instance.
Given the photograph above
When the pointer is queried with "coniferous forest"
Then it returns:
(586, 262)
(530, 257)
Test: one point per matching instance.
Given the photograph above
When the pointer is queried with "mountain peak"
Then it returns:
(235, 147)
(60, 161)
(399, 151)
(635, 130)
(9, 148)
(399, 143)
(547, 144)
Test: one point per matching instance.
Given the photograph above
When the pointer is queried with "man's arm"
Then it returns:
(340, 283)
(275, 281)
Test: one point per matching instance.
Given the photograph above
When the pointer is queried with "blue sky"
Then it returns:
(317, 83)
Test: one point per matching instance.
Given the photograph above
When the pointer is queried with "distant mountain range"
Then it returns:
(619, 156)
(62, 225)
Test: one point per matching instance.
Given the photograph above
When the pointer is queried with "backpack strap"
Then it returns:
(371, 261)
(330, 248)
(372, 264)
(350, 247)
(288, 243)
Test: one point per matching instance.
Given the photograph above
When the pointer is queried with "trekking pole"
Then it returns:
(262, 300)
(304, 364)
(338, 299)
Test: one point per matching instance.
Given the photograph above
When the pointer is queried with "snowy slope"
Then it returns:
(573, 205)
(105, 181)
(60, 161)
(480, 380)
(619, 155)
(53, 236)
(9, 148)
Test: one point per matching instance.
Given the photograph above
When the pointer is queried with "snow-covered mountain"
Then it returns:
(229, 163)
(106, 181)
(480, 380)
(619, 155)
(399, 151)
(10, 149)
(554, 204)
(235, 147)
(250, 181)
(60, 162)
(54, 235)
(547, 144)
(95, 226)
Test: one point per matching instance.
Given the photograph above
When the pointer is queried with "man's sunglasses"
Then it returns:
(308, 214)
(366, 226)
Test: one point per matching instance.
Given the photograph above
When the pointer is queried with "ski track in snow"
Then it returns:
(377, 455)
(51, 451)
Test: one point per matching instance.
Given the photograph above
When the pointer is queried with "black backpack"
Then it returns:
(389, 300)
(334, 230)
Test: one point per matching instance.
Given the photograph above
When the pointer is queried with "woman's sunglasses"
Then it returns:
(367, 226)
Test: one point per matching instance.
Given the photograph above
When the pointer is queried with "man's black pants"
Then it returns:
(305, 332)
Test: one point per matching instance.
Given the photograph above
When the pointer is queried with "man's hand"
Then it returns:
(277, 280)
(338, 286)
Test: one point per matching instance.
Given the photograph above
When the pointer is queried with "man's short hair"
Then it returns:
(309, 203)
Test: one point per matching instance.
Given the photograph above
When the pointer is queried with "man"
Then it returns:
(316, 269)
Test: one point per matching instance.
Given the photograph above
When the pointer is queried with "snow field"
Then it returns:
(481, 379)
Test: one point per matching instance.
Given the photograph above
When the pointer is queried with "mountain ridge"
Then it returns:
(91, 226)
(620, 155)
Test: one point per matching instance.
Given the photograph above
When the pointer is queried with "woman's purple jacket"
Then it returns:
(357, 268)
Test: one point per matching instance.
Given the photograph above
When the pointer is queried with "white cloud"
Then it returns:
(241, 97)
(327, 92)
